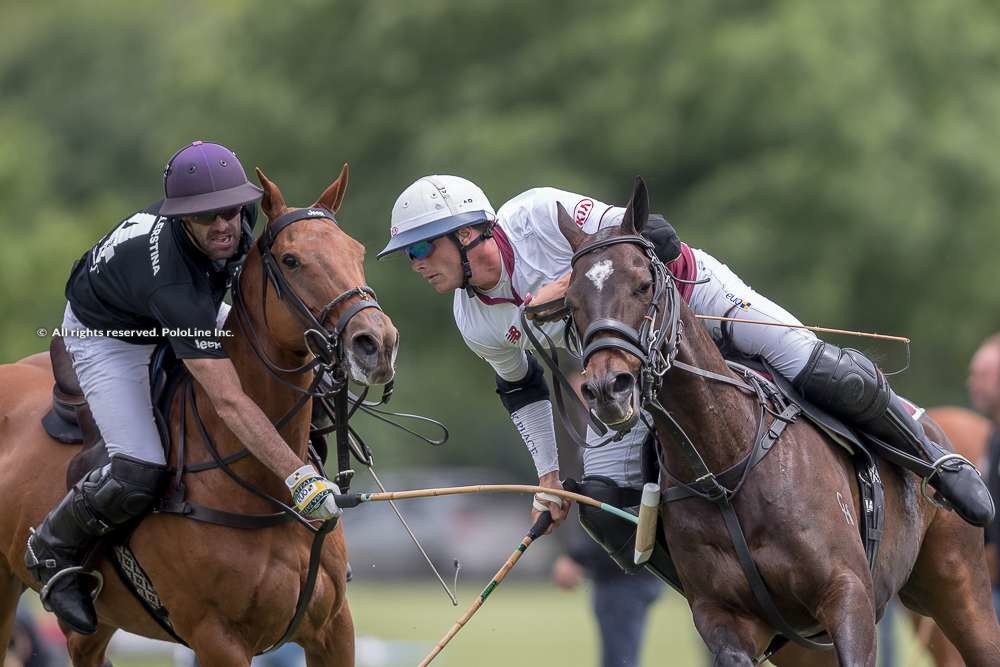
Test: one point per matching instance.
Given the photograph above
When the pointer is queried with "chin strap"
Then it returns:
(463, 251)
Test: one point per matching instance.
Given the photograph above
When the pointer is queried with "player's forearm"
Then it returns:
(248, 423)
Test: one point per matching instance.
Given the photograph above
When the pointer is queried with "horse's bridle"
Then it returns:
(656, 341)
(326, 345)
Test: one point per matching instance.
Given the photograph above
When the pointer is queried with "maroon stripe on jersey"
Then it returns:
(507, 255)
(685, 268)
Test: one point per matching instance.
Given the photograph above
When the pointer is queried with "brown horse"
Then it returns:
(799, 507)
(230, 592)
(969, 433)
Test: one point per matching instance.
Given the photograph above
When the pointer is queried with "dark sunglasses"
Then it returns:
(209, 218)
(420, 250)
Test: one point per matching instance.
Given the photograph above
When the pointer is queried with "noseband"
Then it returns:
(656, 341)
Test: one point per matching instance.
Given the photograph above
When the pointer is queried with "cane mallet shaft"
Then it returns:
(645, 534)
(537, 530)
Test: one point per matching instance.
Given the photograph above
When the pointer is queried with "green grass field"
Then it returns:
(526, 624)
(522, 623)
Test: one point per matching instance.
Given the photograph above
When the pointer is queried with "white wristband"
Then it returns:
(303, 472)
(540, 498)
(534, 423)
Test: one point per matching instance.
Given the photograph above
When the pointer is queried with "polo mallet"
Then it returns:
(537, 530)
(349, 500)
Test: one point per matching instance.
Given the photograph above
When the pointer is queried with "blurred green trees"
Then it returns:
(842, 157)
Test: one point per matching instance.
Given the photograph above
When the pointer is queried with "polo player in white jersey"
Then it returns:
(495, 262)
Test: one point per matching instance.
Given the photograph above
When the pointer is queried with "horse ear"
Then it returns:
(637, 211)
(333, 196)
(569, 228)
(272, 203)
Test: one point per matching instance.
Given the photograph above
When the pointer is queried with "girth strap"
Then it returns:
(760, 592)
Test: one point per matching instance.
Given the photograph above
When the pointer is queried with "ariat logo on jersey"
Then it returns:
(513, 335)
(582, 211)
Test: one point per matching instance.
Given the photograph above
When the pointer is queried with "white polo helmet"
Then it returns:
(434, 206)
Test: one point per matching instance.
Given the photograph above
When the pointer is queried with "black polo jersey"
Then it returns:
(146, 282)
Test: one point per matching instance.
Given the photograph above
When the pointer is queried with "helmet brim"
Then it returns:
(239, 195)
(433, 230)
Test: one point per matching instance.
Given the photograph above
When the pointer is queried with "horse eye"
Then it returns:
(644, 288)
(290, 260)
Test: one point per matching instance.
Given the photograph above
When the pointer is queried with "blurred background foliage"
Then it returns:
(841, 157)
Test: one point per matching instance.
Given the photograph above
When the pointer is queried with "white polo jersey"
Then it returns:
(534, 252)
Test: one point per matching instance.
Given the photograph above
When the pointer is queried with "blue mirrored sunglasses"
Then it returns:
(420, 250)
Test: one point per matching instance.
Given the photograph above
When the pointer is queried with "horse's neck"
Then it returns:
(718, 418)
(273, 397)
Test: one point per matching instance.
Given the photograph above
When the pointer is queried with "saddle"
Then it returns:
(71, 422)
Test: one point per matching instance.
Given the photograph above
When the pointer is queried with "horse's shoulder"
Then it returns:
(967, 430)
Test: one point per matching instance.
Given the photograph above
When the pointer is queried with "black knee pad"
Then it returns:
(114, 494)
(616, 535)
(844, 381)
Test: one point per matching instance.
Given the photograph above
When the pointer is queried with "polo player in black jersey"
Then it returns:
(159, 275)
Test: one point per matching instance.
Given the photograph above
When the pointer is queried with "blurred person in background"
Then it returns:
(984, 394)
(620, 601)
(27, 647)
(493, 262)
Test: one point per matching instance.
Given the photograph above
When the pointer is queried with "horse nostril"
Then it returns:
(623, 383)
(365, 345)
(588, 393)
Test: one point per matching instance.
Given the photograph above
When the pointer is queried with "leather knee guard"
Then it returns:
(111, 496)
(845, 382)
(618, 536)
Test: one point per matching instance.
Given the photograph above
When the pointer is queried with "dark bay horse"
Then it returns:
(799, 508)
(230, 592)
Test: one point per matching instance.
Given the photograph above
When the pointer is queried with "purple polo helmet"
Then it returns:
(203, 177)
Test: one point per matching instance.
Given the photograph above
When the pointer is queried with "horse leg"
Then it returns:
(950, 583)
(733, 639)
(10, 591)
(848, 614)
(931, 639)
(216, 646)
(336, 646)
(89, 650)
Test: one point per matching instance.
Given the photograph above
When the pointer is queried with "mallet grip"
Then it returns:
(645, 534)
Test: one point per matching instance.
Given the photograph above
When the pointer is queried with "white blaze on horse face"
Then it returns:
(600, 272)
